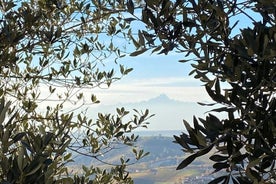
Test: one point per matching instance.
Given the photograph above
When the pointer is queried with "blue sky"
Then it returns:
(152, 65)
(161, 74)
(154, 75)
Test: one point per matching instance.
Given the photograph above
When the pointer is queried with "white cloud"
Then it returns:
(184, 89)
(133, 90)
(128, 91)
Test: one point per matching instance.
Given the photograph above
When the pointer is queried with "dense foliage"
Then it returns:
(237, 64)
(50, 50)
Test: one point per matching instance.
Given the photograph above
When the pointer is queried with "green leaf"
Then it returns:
(184, 60)
(217, 86)
(186, 161)
(4, 109)
(156, 49)
(20, 158)
(94, 99)
(58, 32)
(218, 158)
(128, 71)
(183, 143)
(138, 52)
(189, 24)
(136, 44)
(129, 19)
(205, 150)
(18, 136)
(239, 158)
(130, 6)
(223, 109)
(119, 134)
(254, 162)
(221, 165)
(216, 97)
(204, 104)
(196, 137)
(47, 138)
(68, 156)
(253, 175)
(122, 69)
(141, 38)
(34, 170)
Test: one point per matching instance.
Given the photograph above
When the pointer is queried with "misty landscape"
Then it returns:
(159, 167)
(169, 113)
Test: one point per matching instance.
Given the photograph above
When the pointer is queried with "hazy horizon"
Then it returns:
(169, 113)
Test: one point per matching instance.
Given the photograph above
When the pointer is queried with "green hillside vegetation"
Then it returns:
(162, 152)
(162, 175)
(159, 167)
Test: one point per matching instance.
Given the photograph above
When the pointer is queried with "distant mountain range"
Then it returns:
(158, 140)
(169, 113)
